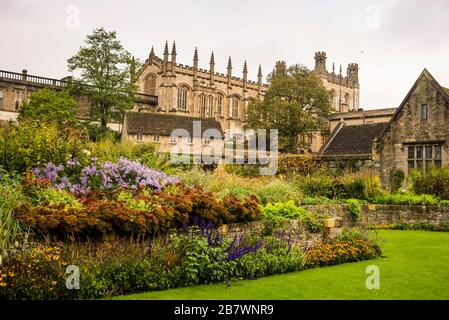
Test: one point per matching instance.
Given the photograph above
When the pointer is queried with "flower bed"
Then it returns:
(125, 174)
(125, 212)
(197, 255)
(341, 251)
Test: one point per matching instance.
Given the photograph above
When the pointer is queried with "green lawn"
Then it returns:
(415, 266)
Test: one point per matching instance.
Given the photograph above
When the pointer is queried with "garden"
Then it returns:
(131, 221)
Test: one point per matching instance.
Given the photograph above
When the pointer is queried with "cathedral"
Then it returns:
(190, 91)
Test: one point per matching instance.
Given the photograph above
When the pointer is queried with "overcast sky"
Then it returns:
(392, 40)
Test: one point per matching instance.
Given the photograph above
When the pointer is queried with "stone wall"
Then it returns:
(296, 229)
(372, 214)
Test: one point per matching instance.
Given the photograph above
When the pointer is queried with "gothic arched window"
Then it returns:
(202, 105)
(219, 104)
(234, 107)
(149, 84)
(182, 97)
(210, 107)
(347, 100)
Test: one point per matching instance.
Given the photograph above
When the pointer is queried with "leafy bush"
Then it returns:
(97, 133)
(407, 199)
(11, 230)
(283, 211)
(434, 181)
(30, 144)
(49, 106)
(444, 203)
(243, 170)
(354, 209)
(397, 178)
(276, 191)
(298, 165)
(362, 185)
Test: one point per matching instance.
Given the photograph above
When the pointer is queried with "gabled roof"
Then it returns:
(424, 74)
(352, 140)
(163, 124)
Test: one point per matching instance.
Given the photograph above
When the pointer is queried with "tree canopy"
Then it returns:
(107, 75)
(295, 103)
(49, 106)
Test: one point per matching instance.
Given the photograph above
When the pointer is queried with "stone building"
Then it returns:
(194, 92)
(158, 128)
(168, 87)
(416, 136)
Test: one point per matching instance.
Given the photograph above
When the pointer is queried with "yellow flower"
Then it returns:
(53, 283)
(10, 274)
(3, 284)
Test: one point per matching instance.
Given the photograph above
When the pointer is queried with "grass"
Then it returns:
(415, 266)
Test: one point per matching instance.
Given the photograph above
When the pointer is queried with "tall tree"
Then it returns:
(108, 75)
(295, 103)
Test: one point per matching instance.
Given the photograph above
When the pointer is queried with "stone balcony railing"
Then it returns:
(25, 78)
(30, 79)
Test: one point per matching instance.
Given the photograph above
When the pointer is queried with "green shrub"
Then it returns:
(243, 170)
(97, 133)
(397, 178)
(53, 197)
(49, 106)
(284, 211)
(354, 209)
(407, 199)
(434, 181)
(276, 191)
(444, 203)
(29, 144)
(362, 185)
(11, 230)
(446, 226)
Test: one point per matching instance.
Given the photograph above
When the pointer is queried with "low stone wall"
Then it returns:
(371, 215)
(296, 229)
(374, 214)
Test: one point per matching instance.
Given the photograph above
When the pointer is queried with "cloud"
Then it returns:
(397, 37)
